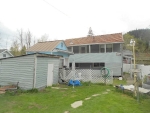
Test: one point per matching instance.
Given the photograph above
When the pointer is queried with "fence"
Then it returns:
(143, 75)
(86, 75)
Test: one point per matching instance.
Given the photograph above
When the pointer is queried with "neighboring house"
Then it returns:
(4, 53)
(95, 52)
(52, 48)
(31, 71)
(127, 56)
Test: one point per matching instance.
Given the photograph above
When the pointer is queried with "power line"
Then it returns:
(64, 13)
(55, 8)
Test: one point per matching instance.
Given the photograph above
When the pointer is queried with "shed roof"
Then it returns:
(44, 46)
(37, 54)
(108, 38)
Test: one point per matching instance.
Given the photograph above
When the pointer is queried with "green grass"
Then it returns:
(59, 100)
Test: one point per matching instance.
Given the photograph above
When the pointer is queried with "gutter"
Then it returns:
(56, 50)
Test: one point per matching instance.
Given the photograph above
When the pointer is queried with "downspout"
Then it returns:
(35, 66)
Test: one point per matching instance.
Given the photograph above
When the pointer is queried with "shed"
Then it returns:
(31, 71)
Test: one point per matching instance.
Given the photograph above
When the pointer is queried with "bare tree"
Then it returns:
(29, 38)
(20, 32)
(26, 41)
(43, 38)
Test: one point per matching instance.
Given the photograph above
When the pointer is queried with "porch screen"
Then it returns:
(109, 48)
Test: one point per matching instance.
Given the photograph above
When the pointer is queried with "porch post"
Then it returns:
(89, 48)
(72, 49)
(105, 47)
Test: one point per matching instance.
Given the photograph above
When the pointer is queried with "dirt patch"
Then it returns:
(2, 92)
(4, 88)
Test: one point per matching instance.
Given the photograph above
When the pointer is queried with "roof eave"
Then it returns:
(94, 43)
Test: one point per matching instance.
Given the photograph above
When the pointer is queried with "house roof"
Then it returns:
(109, 38)
(5, 50)
(44, 46)
(2, 50)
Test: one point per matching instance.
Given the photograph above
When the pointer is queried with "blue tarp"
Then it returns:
(74, 82)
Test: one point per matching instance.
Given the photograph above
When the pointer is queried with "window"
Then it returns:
(102, 48)
(4, 55)
(76, 49)
(82, 49)
(70, 65)
(95, 48)
(77, 65)
(98, 65)
(69, 49)
(109, 48)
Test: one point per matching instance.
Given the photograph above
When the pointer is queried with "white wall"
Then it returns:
(127, 67)
(145, 70)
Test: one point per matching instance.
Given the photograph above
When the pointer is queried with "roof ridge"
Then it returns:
(93, 36)
(51, 41)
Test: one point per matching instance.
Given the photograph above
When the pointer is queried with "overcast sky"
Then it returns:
(62, 19)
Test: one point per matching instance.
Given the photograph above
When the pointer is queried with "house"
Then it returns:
(31, 70)
(127, 56)
(95, 52)
(4, 53)
(57, 47)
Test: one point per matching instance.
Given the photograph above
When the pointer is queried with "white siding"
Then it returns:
(7, 55)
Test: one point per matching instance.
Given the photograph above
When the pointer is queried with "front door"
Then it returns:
(50, 75)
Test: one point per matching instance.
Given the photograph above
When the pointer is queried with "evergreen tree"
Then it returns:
(23, 50)
(90, 33)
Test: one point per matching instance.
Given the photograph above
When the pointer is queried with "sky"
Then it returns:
(63, 19)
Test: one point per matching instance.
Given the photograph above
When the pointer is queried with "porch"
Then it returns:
(96, 48)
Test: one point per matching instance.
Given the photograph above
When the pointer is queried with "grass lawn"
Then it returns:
(58, 101)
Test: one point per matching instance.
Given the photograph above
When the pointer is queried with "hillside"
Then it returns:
(142, 34)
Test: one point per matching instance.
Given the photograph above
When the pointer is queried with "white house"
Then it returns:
(4, 53)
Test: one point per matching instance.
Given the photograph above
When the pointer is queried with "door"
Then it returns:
(50, 75)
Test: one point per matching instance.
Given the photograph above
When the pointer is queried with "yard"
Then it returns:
(51, 100)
